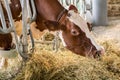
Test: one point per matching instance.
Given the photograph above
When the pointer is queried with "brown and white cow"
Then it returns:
(51, 15)
(74, 35)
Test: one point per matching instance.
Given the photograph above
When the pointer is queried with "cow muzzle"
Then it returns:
(99, 53)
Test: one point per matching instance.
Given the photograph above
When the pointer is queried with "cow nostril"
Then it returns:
(97, 54)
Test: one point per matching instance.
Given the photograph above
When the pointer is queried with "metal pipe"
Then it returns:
(2, 18)
(24, 43)
(12, 27)
(31, 38)
(99, 11)
(34, 10)
(9, 13)
(29, 13)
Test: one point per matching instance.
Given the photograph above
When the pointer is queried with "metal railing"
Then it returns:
(28, 17)
(82, 5)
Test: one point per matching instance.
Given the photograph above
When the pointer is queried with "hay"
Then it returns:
(45, 64)
(42, 67)
(112, 57)
(38, 67)
(64, 65)
(48, 36)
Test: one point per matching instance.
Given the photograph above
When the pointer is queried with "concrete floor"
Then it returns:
(110, 32)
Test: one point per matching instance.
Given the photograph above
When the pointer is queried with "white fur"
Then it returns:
(2, 63)
(62, 39)
(79, 21)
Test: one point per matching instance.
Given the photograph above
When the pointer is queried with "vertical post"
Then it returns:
(2, 18)
(24, 29)
(75, 2)
(99, 10)
(56, 43)
(12, 24)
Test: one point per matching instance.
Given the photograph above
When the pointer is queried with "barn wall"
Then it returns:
(114, 8)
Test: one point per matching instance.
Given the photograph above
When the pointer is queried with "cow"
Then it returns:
(51, 15)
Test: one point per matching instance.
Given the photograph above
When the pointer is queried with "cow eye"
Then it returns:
(68, 14)
(74, 32)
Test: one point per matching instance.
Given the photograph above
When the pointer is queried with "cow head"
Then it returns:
(75, 34)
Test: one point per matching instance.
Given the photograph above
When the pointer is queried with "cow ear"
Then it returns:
(89, 26)
(52, 25)
(72, 7)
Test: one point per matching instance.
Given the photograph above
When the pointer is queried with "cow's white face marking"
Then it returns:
(62, 39)
(82, 24)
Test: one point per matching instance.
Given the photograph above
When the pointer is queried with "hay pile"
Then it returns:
(64, 65)
(13, 66)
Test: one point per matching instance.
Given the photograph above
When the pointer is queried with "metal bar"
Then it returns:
(56, 42)
(75, 2)
(30, 19)
(34, 10)
(2, 18)
(29, 13)
(24, 31)
(3, 31)
(9, 13)
(27, 19)
(44, 42)
(31, 38)
(12, 26)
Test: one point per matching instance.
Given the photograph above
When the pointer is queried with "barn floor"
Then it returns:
(64, 65)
